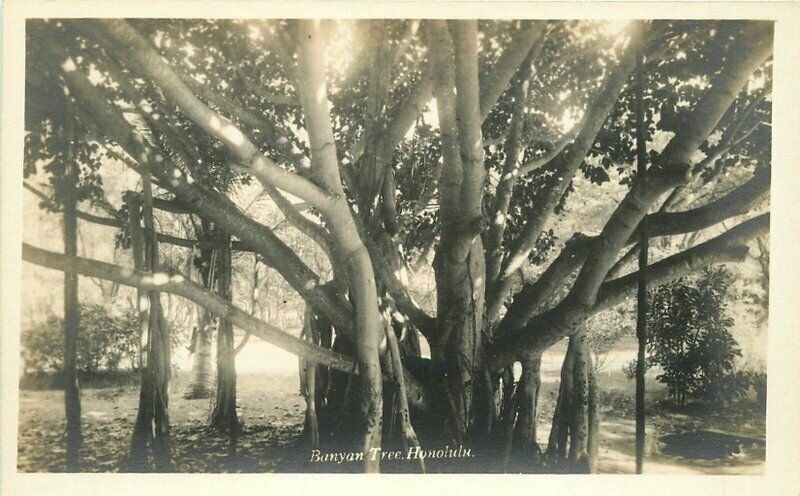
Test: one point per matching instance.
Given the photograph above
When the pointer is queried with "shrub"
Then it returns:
(689, 338)
(105, 339)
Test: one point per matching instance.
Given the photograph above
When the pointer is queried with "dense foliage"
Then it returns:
(107, 340)
(690, 340)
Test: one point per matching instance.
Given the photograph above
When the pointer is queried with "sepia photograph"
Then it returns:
(400, 245)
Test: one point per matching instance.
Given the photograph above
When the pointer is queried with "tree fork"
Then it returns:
(347, 241)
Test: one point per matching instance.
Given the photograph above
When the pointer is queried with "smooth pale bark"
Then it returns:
(210, 204)
(346, 238)
(201, 384)
(751, 48)
(459, 263)
(72, 398)
(465, 42)
(549, 327)
(533, 295)
(565, 166)
(141, 57)
(151, 429)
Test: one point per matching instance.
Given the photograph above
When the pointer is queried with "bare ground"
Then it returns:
(702, 441)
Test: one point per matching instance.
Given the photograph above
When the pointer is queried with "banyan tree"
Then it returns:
(401, 148)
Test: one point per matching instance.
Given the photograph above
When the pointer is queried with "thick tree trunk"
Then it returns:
(72, 400)
(223, 416)
(460, 303)
(201, 384)
(467, 402)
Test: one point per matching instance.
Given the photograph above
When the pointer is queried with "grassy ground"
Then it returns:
(699, 441)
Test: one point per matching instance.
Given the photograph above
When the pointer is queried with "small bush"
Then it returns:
(629, 369)
(689, 338)
(106, 339)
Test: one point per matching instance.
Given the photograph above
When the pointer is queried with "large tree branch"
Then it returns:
(177, 284)
(731, 138)
(532, 296)
(544, 159)
(565, 166)
(730, 246)
(142, 58)
(751, 48)
(549, 327)
(737, 202)
(496, 80)
(209, 203)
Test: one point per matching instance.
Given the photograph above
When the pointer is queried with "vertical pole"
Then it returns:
(641, 302)
(72, 400)
(224, 416)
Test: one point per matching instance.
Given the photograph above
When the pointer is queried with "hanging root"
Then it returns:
(409, 436)
(308, 383)
(573, 439)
